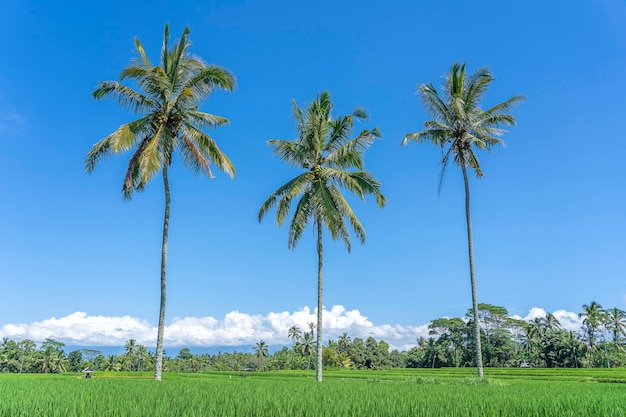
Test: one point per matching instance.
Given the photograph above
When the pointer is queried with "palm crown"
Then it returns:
(324, 149)
(458, 123)
(168, 96)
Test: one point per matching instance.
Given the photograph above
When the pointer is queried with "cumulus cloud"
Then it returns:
(234, 329)
(568, 320)
(80, 329)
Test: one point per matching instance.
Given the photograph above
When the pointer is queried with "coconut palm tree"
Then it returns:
(308, 348)
(294, 333)
(551, 323)
(592, 320)
(260, 350)
(460, 127)
(131, 351)
(167, 98)
(331, 162)
(616, 323)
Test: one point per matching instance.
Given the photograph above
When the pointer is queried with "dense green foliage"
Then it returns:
(344, 393)
(508, 343)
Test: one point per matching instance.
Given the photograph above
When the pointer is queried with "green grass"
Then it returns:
(439, 392)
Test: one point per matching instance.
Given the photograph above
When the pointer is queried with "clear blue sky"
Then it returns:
(548, 217)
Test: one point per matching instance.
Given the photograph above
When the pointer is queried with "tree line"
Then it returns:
(507, 342)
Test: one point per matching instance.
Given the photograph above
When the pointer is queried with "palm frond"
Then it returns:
(290, 152)
(434, 104)
(361, 183)
(122, 140)
(499, 109)
(293, 187)
(350, 154)
(476, 86)
(208, 147)
(132, 179)
(205, 120)
(301, 217)
(142, 54)
(152, 159)
(125, 96)
(204, 81)
(347, 212)
(192, 157)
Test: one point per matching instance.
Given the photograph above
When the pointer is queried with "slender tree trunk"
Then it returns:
(470, 245)
(166, 223)
(320, 260)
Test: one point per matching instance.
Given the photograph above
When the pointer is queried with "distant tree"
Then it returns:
(168, 98)
(616, 324)
(344, 343)
(592, 320)
(260, 350)
(185, 354)
(294, 333)
(75, 359)
(460, 127)
(131, 350)
(52, 357)
(331, 161)
(308, 348)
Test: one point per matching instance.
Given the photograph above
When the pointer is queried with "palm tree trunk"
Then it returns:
(166, 223)
(470, 245)
(320, 260)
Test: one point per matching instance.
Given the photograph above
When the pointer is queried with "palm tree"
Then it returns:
(308, 348)
(344, 342)
(592, 321)
(312, 327)
(616, 323)
(131, 351)
(294, 333)
(260, 350)
(331, 161)
(551, 323)
(167, 98)
(459, 126)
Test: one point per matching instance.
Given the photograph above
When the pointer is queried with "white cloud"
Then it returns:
(234, 329)
(80, 329)
(568, 320)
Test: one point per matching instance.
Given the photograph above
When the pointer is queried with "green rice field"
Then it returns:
(399, 392)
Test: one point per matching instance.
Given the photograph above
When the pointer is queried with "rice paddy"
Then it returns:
(439, 392)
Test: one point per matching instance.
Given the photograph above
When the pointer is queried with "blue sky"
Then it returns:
(548, 217)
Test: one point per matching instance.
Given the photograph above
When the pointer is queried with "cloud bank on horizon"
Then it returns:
(235, 329)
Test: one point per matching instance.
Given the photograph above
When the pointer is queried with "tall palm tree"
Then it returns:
(167, 98)
(460, 127)
(331, 161)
